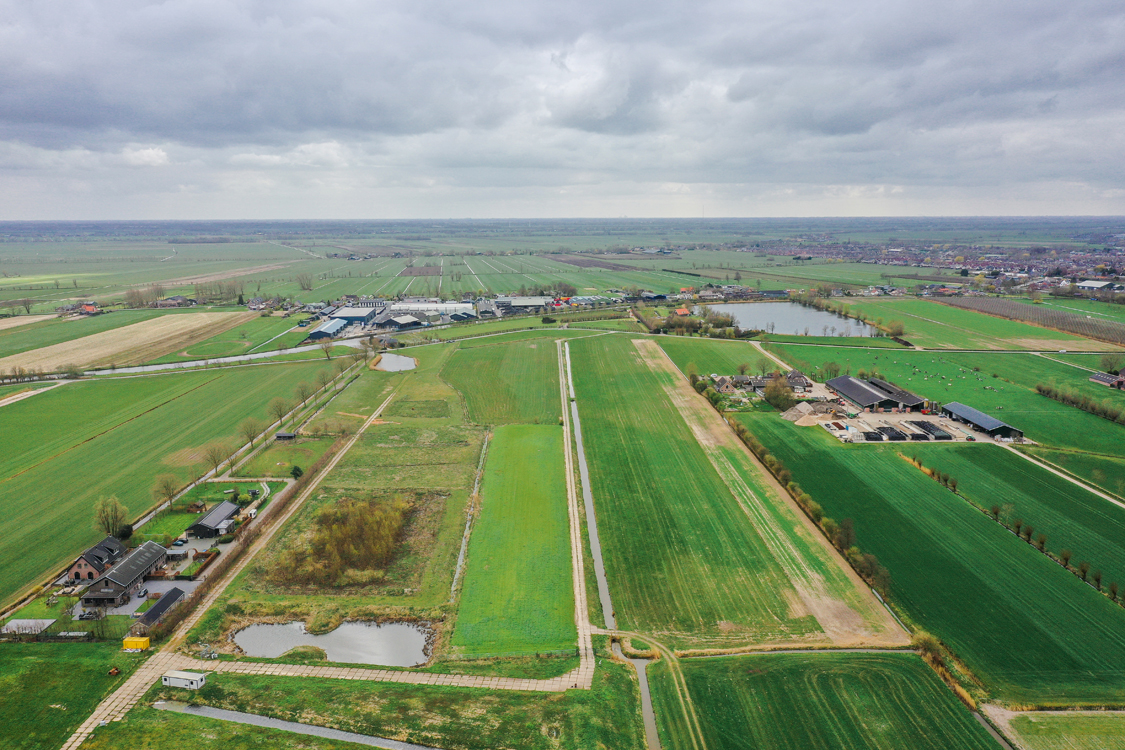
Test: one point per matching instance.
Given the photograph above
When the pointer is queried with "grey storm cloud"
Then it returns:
(741, 101)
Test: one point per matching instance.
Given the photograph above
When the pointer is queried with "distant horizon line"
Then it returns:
(580, 218)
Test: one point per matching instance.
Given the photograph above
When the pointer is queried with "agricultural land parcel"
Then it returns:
(1039, 635)
(936, 326)
(507, 382)
(129, 345)
(242, 339)
(1071, 517)
(682, 557)
(817, 702)
(98, 438)
(48, 330)
(1069, 731)
(1106, 472)
(518, 596)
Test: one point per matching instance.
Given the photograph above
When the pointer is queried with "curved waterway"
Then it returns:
(790, 318)
(393, 644)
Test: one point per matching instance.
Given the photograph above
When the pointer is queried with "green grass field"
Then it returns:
(817, 702)
(682, 558)
(1010, 397)
(1077, 732)
(1107, 472)
(100, 438)
(1028, 629)
(1071, 517)
(279, 459)
(508, 383)
(51, 688)
(518, 596)
(863, 342)
(241, 339)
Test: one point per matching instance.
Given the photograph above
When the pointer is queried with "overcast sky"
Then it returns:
(586, 108)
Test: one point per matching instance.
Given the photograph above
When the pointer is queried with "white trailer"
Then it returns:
(189, 680)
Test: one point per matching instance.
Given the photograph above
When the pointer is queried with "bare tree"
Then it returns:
(166, 487)
(341, 365)
(744, 368)
(763, 366)
(326, 347)
(305, 281)
(27, 304)
(250, 428)
(109, 515)
(323, 378)
(303, 391)
(216, 453)
(278, 408)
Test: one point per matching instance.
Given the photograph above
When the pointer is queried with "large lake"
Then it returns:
(790, 318)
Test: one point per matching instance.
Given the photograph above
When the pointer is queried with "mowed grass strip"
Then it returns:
(1071, 517)
(818, 702)
(1031, 631)
(508, 383)
(681, 556)
(518, 593)
(142, 427)
(1037, 731)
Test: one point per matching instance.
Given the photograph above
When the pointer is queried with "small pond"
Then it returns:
(790, 318)
(393, 644)
(395, 363)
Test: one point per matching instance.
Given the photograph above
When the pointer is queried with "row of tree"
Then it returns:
(1104, 409)
(842, 534)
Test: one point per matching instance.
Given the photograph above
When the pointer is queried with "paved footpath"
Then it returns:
(133, 689)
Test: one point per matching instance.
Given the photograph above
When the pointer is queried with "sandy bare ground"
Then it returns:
(129, 345)
(21, 320)
(842, 622)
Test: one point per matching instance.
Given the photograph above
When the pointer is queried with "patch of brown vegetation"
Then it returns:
(421, 271)
(130, 345)
(22, 320)
(582, 262)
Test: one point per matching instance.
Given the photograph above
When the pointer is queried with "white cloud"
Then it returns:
(145, 157)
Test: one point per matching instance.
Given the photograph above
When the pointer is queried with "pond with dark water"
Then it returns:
(393, 644)
(790, 318)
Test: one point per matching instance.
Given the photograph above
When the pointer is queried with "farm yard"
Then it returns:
(817, 701)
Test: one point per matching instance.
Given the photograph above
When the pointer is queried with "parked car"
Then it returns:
(143, 592)
(179, 543)
(88, 616)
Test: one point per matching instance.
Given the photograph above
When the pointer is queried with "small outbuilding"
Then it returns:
(217, 521)
(980, 421)
(188, 680)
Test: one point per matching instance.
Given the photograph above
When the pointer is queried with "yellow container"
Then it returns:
(140, 643)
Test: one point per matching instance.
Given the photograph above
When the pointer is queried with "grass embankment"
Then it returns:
(607, 716)
(968, 377)
(1030, 631)
(99, 438)
(682, 558)
(518, 596)
(821, 701)
(51, 688)
(507, 383)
